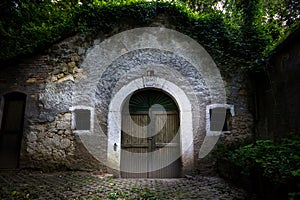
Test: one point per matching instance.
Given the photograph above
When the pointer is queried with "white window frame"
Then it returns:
(208, 109)
(73, 119)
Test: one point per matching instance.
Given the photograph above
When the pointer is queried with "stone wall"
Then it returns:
(240, 94)
(51, 142)
(48, 141)
(89, 69)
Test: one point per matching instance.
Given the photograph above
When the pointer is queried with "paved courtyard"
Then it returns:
(84, 185)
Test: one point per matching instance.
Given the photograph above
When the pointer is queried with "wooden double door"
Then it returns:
(150, 137)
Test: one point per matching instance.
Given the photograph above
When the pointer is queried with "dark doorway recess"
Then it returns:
(11, 130)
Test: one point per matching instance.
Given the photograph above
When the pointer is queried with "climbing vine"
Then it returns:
(235, 32)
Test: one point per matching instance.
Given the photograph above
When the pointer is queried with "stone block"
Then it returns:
(66, 78)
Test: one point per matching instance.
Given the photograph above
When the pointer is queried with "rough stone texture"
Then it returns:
(239, 95)
(137, 48)
(51, 142)
(56, 98)
(135, 65)
(89, 69)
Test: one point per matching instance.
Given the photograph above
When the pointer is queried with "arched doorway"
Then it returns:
(150, 138)
(11, 129)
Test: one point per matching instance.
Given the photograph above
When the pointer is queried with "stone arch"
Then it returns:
(103, 54)
(135, 64)
(164, 50)
(186, 122)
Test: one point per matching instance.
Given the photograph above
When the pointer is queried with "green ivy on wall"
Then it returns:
(236, 39)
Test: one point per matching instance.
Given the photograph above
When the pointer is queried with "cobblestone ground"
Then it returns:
(83, 185)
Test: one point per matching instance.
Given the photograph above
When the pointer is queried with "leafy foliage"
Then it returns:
(33, 25)
(279, 162)
(237, 33)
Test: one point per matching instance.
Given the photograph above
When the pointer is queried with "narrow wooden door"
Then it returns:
(150, 138)
(11, 129)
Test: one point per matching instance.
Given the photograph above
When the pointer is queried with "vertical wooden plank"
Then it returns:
(166, 154)
(134, 148)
